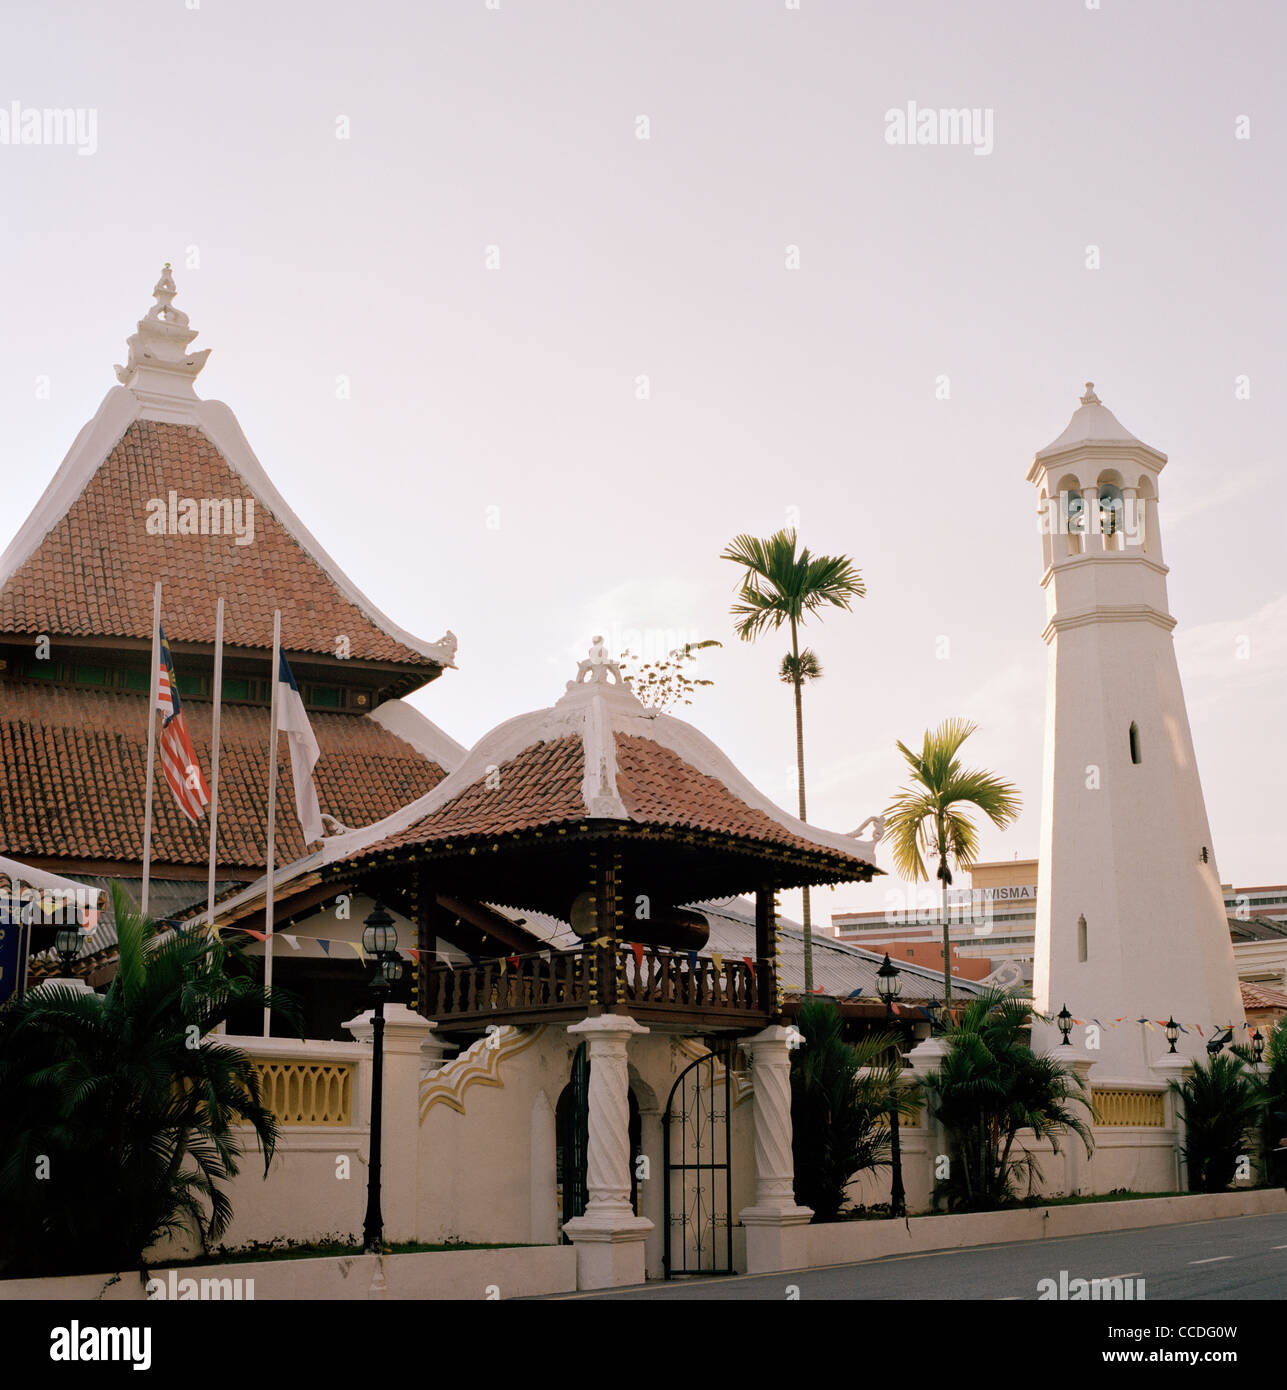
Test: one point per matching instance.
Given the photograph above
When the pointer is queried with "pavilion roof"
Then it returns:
(599, 762)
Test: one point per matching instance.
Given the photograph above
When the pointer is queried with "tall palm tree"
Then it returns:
(781, 586)
(130, 1102)
(930, 818)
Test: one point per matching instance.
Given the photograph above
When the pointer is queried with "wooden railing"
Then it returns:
(570, 982)
(530, 984)
(1115, 1108)
(307, 1093)
(665, 980)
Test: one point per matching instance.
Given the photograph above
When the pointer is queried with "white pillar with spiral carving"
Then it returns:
(608, 1236)
(776, 1226)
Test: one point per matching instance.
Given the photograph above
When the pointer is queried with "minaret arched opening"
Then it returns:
(1134, 736)
(1072, 513)
(1112, 515)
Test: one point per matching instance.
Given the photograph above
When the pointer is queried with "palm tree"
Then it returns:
(129, 1102)
(780, 586)
(1223, 1101)
(930, 819)
(840, 1102)
(990, 1087)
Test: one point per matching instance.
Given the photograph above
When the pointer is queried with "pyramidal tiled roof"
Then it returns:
(598, 753)
(151, 490)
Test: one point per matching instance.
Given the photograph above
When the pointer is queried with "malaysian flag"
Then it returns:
(178, 757)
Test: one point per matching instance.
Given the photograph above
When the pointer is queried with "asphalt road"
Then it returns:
(1242, 1258)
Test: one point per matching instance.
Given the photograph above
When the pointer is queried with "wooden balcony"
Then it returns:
(661, 987)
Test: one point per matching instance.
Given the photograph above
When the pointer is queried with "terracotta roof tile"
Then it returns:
(541, 786)
(1261, 996)
(92, 575)
(658, 786)
(73, 765)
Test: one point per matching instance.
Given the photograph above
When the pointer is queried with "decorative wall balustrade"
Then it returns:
(1117, 1108)
(299, 1092)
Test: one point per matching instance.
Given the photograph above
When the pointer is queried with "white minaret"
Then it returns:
(1130, 919)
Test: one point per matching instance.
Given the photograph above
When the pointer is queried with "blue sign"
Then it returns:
(13, 951)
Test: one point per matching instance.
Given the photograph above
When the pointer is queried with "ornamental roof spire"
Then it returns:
(159, 364)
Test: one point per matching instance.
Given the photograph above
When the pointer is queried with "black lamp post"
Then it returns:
(1216, 1044)
(890, 986)
(1258, 1046)
(380, 941)
(1064, 1019)
(1172, 1031)
(67, 945)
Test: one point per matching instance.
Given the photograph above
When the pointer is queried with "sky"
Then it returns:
(529, 307)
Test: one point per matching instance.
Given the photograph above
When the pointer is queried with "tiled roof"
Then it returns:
(73, 765)
(838, 968)
(1261, 996)
(541, 786)
(1256, 929)
(657, 786)
(92, 575)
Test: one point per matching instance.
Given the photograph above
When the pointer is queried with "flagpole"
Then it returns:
(214, 759)
(151, 743)
(272, 811)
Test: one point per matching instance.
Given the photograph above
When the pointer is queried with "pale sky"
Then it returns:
(493, 470)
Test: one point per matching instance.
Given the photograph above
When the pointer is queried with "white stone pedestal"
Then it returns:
(1174, 1066)
(404, 1033)
(776, 1226)
(608, 1236)
(1076, 1163)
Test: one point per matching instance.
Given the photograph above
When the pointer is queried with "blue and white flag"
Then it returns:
(304, 752)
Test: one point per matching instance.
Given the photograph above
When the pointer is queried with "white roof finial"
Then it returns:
(1090, 398)
(159, 364)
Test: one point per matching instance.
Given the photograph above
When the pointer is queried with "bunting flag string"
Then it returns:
(637, 950)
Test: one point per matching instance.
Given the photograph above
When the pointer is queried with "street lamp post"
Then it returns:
(889, 986)
(1172, 1031)
(380, 941)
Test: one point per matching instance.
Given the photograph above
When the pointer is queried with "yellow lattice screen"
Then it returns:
(1138, 1108)
(308, 1093)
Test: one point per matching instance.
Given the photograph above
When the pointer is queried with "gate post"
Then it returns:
(776, 1235)
(608, 1236)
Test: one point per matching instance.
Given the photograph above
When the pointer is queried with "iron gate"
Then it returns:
(573, 1125)
(697, 1171)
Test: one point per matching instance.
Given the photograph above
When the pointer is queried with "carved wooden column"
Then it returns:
(608, 1236)
(776, 1237)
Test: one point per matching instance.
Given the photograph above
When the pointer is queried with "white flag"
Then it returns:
(304, 752)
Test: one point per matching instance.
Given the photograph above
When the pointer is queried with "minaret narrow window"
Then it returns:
(1081, 938)
(1135, 744)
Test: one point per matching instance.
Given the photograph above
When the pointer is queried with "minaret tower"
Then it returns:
(1130, 918)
